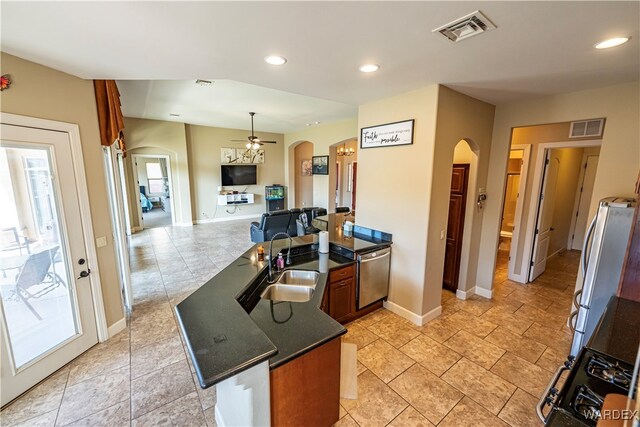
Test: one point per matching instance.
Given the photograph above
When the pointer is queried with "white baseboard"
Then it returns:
(226, 218)
(486, 293)
(117, 327)
(410, 315)
(465, 294)
(558, 252)
(183, 224)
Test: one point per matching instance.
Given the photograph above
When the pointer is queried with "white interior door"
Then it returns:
(544, 223)
(116, 203)
(588, 179)
(47, 314)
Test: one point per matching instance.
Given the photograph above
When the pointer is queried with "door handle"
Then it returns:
(84, 273)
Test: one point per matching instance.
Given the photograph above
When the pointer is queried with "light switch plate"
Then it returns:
(101, 242)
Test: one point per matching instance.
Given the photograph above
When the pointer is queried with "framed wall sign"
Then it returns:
(320, 165)
(387, 135)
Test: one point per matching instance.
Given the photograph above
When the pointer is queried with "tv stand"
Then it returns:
(236, 199)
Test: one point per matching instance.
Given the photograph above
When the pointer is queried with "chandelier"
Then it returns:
(343, 151)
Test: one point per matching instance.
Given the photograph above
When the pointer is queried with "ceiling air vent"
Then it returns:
(585, 128)
(468, 26)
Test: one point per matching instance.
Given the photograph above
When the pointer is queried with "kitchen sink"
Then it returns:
(292, 293)
(299, 278)
(293, 286)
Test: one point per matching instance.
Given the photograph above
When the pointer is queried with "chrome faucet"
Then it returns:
(271, 253)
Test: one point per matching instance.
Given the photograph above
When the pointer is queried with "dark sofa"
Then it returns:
(272, 223)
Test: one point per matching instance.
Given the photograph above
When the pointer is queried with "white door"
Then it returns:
(586, 190)
(47, 314)
(116, 204)
(544, 223)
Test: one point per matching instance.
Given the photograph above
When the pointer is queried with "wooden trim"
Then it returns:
(306, 391)
(629, 287)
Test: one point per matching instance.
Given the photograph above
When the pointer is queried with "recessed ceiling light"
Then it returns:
(204, 82)
(275, 60)
(617, 41)
(369, 68)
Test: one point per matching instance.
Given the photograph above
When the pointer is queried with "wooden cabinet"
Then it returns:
(340, 298)
(306, 391)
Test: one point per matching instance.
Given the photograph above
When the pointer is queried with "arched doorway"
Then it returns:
(462, 209)
(343, 158)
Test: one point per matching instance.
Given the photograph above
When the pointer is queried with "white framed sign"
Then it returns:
(387, 135)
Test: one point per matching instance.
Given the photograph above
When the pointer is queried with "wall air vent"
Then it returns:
(586, 128)
(468, 26)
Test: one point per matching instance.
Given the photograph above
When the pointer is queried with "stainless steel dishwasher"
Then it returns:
(373, 276)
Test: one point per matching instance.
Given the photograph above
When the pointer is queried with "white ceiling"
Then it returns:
(539, 48)
(226, 103)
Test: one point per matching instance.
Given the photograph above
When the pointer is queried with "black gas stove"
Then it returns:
(591, 377)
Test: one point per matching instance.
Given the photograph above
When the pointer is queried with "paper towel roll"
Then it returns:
(324, 263)
(323, 239)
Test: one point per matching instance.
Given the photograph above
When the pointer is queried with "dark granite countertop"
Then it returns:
(618, 332)
(226, 332)
(361, 240)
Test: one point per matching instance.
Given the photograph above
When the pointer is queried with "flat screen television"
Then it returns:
(239, 175)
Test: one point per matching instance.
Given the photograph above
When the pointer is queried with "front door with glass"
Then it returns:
(47, 314)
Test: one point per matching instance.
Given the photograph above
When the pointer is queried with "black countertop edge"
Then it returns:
(205, 383)
(224, 340)
(617, 333)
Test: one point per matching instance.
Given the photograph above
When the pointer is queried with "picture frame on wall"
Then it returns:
(306, 167)
(320, 165)
(387, 135)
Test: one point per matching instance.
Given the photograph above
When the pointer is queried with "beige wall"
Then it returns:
(570, 161)
(303, 194)
(460, 117)
(166, 138)
(322, 136)
(394, 189)
(620, 150)
(204, 160)
(42, 92)
(462, 153)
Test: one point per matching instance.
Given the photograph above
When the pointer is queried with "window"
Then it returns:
(155, 178)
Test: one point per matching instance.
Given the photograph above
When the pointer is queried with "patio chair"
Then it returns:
(35, 272)
(11, 240)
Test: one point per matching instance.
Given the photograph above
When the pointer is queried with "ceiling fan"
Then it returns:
(254, 142)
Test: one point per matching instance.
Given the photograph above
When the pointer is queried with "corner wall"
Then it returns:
(43, 92)
(394, 191)
(619, 154)
(459, 117)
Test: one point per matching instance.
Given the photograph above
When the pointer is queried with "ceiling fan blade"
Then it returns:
(268, 142)
(238, 140)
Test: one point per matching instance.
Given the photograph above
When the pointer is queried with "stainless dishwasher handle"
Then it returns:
(363, 261)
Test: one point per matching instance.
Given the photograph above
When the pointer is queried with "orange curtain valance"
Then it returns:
(110, 116)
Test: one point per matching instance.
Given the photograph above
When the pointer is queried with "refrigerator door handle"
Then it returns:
(572, 325)
(585, 245)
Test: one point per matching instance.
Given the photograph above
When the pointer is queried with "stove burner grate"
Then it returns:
(610, 372)
(587, 403)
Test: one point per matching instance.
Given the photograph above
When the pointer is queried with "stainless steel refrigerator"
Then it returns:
(603, 254)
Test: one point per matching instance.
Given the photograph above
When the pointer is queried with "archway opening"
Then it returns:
(463, 205)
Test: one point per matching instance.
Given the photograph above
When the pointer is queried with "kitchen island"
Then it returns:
(235, 337)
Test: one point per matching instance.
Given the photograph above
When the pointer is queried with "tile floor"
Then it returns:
(483, 362)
